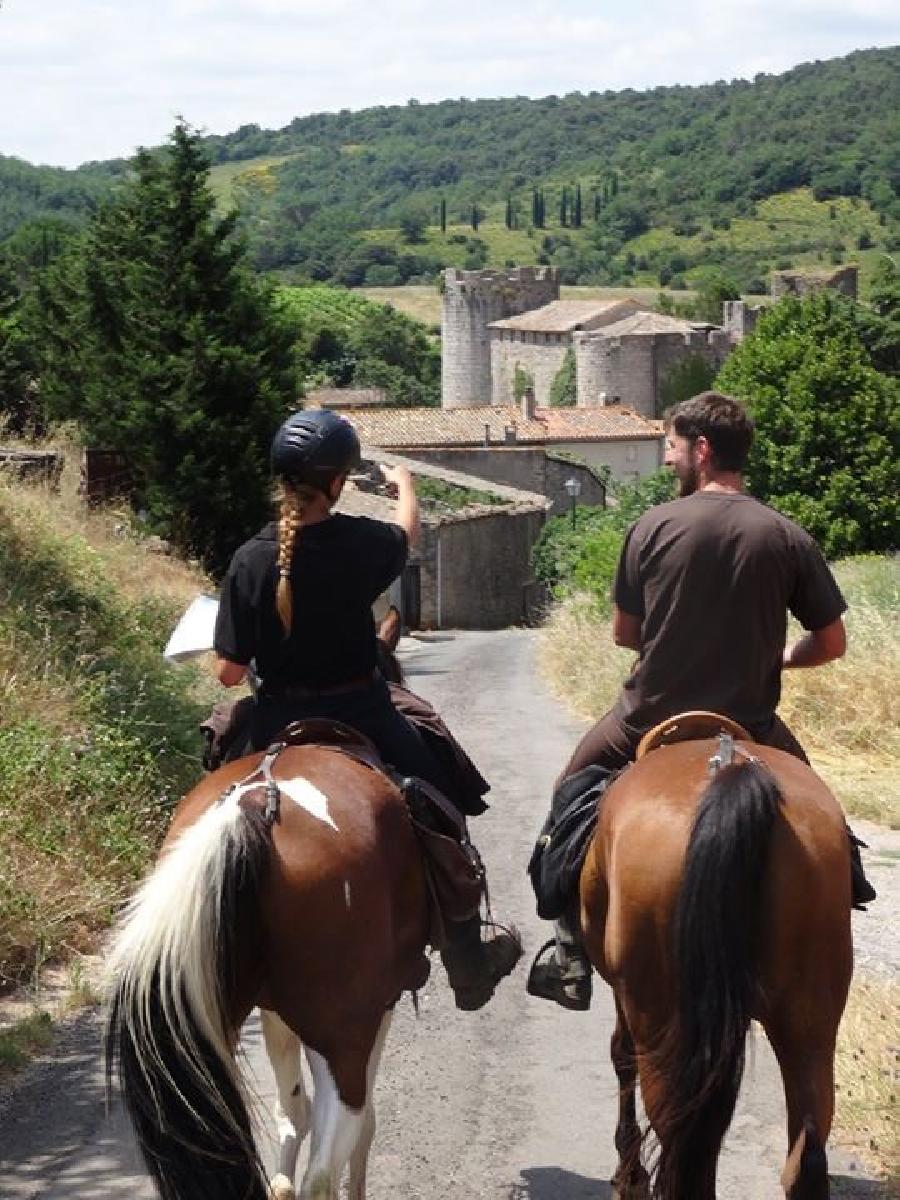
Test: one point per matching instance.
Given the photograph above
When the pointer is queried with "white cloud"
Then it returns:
(96, 79)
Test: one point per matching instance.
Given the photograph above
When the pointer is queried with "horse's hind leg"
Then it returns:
(630, 1181)
(808, 1075)
(360, 1156)
(292, 1105)
(337, 1129)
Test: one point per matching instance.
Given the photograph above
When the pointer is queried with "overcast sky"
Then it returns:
(93, 79)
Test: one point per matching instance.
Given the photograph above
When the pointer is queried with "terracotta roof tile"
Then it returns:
(407, 427)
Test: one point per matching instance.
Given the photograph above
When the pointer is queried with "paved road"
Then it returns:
(516, 1102)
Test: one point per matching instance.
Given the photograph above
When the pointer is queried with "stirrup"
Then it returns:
(545, 980)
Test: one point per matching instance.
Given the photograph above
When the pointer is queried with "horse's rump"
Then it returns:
(635, 863)
(707, 901)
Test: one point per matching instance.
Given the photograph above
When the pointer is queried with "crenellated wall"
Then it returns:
(471, 301)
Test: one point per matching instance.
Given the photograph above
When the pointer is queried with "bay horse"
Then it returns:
(705, 903)
(316, 912)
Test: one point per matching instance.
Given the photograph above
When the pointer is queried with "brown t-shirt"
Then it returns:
(712, 577)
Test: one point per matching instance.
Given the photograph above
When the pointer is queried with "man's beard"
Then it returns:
(688, 481)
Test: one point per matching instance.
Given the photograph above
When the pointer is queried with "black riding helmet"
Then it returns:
(314, 446)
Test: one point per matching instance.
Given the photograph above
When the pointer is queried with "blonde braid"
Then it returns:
(288, 528)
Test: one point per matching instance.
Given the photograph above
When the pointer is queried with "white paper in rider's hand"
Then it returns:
(194, 632)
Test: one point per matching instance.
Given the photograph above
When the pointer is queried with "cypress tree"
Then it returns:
(564, 207)
(476, 217)
(159, 341)
(443, 215)
(509, 212)
(576, 208)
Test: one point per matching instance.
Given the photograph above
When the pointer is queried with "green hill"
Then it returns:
(657, 185)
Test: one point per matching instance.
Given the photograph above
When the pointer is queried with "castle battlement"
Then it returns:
(471, 301)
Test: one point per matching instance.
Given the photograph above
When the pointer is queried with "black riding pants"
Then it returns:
(368, 709)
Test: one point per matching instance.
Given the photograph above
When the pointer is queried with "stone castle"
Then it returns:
(500, 324)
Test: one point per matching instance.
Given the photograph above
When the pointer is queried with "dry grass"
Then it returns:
(97, 734)
(867, 1071)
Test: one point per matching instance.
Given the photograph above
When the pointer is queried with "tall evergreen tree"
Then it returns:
(576, 208)
(509, 212)
(159, 342)
(443, 215)
(476, 217)
(564, 207)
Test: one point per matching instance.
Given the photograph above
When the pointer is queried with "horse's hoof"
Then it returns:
(281, 1188)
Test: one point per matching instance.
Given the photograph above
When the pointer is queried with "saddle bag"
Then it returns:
(453, 866)
(559, 853)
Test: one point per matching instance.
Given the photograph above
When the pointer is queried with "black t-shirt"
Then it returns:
(340, 566)
(712, 577)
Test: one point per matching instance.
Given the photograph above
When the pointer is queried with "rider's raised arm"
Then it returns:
(407, 502)
(818, 647)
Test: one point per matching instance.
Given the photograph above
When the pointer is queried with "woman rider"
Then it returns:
(297, 601)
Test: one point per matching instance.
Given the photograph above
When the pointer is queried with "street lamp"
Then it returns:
(573, 487)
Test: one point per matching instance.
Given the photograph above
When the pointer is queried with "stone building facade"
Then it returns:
(472, 300)
(629, 361)
(537, 342)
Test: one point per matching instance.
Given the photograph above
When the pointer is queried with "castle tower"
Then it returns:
(471, 301)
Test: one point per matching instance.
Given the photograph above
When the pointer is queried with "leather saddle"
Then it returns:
(453, 868)
(689, 727)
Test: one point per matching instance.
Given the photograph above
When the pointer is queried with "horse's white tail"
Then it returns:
(170, 992)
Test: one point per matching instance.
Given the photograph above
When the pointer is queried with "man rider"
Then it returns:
(702, 591)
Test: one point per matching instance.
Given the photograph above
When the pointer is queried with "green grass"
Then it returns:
(23, 1040)
(226, 179)
(98, 735)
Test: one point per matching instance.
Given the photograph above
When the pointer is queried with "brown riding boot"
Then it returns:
(474, 965)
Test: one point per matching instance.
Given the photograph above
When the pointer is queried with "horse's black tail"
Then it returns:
(716, 950)
(170, 1033)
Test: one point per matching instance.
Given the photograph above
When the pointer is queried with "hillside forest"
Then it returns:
(653, 188)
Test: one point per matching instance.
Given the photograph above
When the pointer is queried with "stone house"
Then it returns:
(472, 569)
(524, 446)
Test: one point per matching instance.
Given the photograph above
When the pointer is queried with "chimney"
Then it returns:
(487, 434)
(528, 405)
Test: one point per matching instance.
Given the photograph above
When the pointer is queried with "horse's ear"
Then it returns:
(390, 628)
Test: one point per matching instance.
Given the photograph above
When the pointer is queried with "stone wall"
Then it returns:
(804, 283)
(540, 354)
(627, 459)
(528, 468)
(471, 301)
(476, 573)
(632, 368)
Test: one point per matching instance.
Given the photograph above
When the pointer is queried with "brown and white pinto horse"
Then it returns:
(706, 903)
(320, 918)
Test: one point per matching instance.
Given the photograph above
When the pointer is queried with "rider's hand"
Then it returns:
(395, 477)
